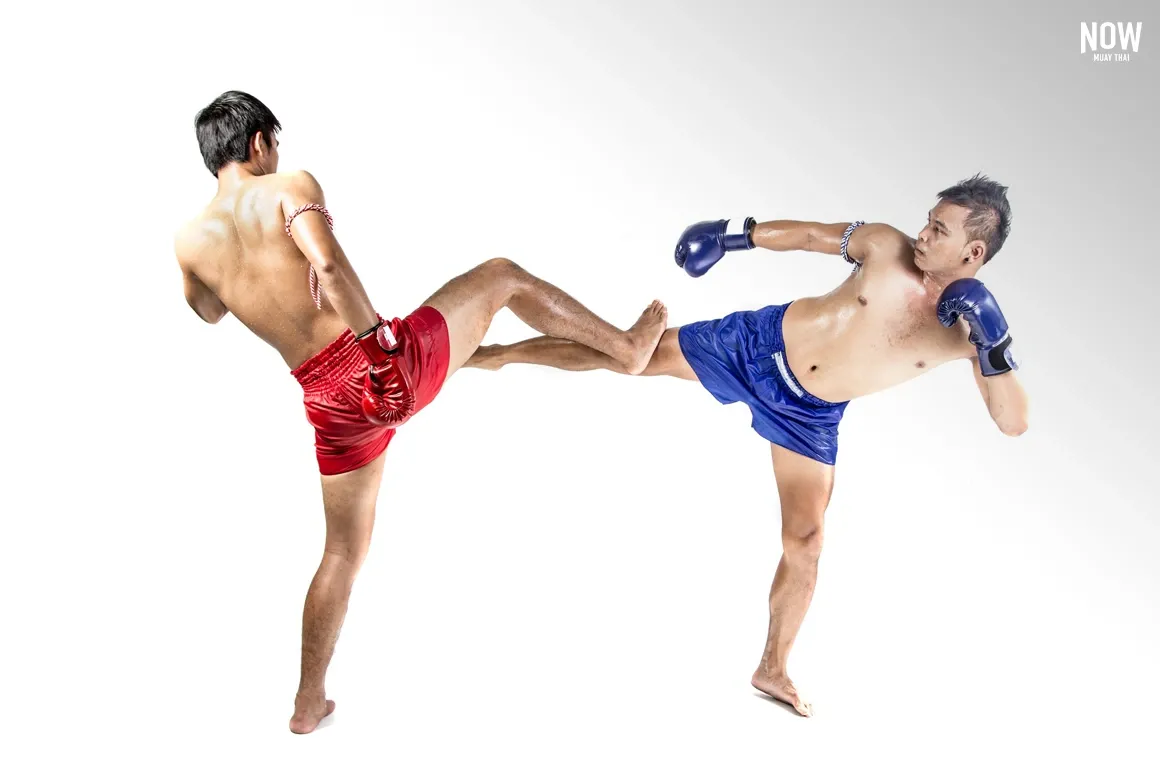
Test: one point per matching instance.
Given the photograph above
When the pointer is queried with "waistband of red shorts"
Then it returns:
(330, 365)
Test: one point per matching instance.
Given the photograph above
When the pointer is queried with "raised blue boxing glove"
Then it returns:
(703, 244)
(968, 298)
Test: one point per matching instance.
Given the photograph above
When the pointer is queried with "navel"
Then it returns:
(813, 368)
(920, 364)
(862, 300)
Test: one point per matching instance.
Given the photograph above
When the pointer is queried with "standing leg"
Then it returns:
(804, 486)
(469, 302)
(349, 501)
(575, 357)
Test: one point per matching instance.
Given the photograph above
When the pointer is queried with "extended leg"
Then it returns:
(804, 486)
(349, 500)
(469, 302)
(574, 357)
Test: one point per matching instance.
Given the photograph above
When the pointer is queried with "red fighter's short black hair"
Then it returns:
(225, 126)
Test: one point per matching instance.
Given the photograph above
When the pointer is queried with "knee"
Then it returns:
(802, 544)
(503, 269)
(348, 552)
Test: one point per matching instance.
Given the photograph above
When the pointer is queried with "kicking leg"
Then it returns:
(349, 501)
(469, 302)
(804, 486)
(574, 357)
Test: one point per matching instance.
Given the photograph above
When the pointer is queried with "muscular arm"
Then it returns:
(788, 235)
(1005, 399)
(316, 241)
(201, 299)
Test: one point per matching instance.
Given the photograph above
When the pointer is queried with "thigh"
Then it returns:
(468, 303)
(349, 500)
(668, 359)
(804, 486)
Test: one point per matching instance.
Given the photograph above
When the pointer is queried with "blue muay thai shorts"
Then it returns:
(741, 357)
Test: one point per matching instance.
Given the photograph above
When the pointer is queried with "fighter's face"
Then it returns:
(942, 243)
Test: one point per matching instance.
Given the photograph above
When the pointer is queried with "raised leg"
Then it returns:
(804, 487)
(471, 300)
(574, 357)
(349, 500)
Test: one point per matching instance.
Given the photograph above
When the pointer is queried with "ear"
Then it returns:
(974, 252)
(258, 146)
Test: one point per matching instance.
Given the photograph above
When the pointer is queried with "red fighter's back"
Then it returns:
(239, 250)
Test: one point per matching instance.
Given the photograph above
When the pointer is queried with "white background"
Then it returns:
(575, 565)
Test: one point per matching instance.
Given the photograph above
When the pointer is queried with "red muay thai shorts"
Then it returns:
(332, 388)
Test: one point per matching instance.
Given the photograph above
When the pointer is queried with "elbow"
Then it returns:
(211, 315)
(1012, 428)
(326, 267)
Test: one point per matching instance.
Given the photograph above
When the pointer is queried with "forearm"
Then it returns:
(305, 208)
(1006, 401)
(789, 235)
(345, 292)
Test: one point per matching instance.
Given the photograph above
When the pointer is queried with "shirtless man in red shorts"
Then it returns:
(263, 249)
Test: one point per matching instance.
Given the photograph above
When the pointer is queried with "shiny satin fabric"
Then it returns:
(741, 358)
(332, 388)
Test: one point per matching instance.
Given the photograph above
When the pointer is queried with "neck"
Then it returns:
(936, 282)
(232, 175)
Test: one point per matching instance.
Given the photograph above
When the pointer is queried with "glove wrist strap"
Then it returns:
(739, 233)
(377, 343)
(997, 359)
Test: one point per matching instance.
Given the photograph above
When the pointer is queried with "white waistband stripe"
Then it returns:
(785, 375)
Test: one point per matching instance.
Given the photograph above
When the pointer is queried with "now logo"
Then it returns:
(1108, 36)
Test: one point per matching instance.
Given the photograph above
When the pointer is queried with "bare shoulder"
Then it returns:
(187, 240)
(300, 186)
(882, 238)
(876, 241)
(201, 235)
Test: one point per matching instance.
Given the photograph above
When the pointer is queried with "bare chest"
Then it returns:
(899, 319)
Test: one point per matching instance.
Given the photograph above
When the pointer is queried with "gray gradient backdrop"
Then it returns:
(591, 581)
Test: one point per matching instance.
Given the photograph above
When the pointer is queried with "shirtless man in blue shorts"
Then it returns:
(909, 305)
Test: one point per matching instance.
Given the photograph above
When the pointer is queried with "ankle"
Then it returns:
(773, 671)
(307, 696)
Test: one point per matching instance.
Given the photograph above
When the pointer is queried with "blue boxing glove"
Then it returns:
(971, 300)
(703, 244)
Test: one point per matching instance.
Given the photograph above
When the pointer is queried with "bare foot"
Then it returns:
(487, 357)
(782, 689)
(309, 712)
(644, 336)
